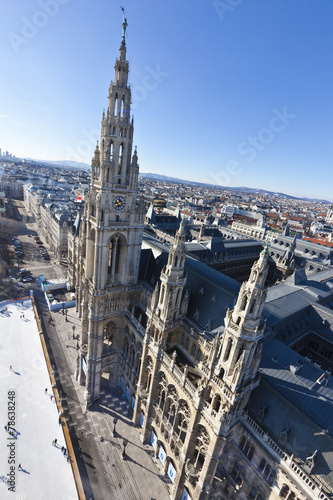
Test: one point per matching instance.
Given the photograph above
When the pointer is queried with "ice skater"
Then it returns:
(11, 368)
(19, 467)
(55, 442)
(51, 398)
(46, 391)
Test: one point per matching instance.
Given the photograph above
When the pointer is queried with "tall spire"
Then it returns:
(125, 24)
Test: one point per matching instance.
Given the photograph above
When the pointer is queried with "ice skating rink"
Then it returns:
(45, 473)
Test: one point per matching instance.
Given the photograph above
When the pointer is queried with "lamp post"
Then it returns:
(115, 420)
(125, 442)
(73, 328)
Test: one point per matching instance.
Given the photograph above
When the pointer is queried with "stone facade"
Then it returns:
(196, 392)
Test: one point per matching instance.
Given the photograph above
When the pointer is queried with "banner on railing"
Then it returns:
(186, 495)
(153, 440)
(172, 472)
(162, 455)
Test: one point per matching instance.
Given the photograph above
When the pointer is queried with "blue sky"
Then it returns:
(231, 92)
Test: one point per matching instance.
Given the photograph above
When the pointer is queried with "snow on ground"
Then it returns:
(46, 474)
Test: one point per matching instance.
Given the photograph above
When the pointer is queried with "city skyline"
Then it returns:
(235, 95)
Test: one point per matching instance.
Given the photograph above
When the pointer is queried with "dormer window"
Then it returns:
(285, 433)
(262, 413)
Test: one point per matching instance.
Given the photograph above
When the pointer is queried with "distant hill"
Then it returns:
(175, 180)
(63, 163)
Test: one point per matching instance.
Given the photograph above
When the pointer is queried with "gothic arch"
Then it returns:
(92, 235)
(120, 158)
(228, 349)
(200, 446)
(117, 255)
(116, 105)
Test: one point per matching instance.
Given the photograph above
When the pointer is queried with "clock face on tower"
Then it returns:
(119, 203)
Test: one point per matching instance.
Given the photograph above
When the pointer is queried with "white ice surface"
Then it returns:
(47, 475)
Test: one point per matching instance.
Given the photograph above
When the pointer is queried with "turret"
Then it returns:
(240, 353)
(173, 280)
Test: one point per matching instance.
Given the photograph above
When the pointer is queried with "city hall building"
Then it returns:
(229, 384)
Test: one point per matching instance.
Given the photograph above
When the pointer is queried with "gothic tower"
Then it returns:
(239, 356)
(166, 304)
(111, 232)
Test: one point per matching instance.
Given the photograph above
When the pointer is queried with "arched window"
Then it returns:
(162, 295)
(181, 427)
(209, 395)
(284, 491)
(122, 107)
(111, 152)
(161, 399)
(120, 162)
(238, 473)
(116, 104)
(126, 348)
(228, 349)
(148, 382)
(217, 403)
(201, 445)
(172, 413)
(117, 247)
(178, 298)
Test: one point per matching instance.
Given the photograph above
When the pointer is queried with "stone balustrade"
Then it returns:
(289, 465)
